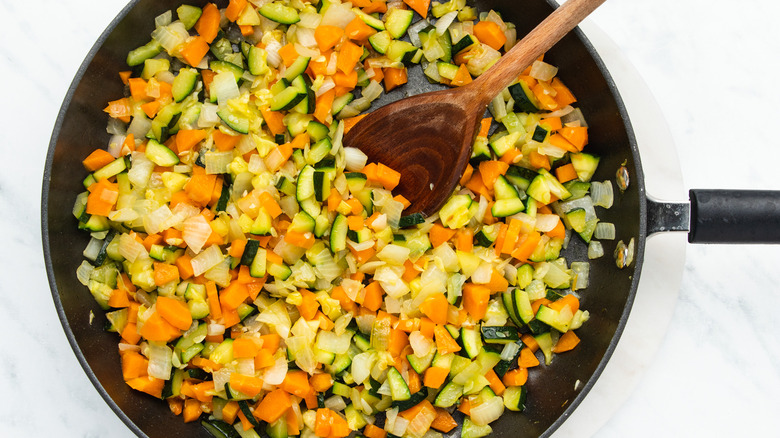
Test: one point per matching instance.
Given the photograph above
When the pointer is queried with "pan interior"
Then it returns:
(553, 390)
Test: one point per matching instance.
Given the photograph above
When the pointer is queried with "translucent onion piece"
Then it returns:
(595, 249)
(602, 193)
(154, 221)
(394, 254)
(543, 71)
(338, 15)
(356, 159)
(217, 162)
(510, 351)
(420, 344)
(276, 373)
(141, 169)
(159, 361)
(93, 249)
(580, 275)
(207, 259)
(546, 222)
(444, 22)
(487, 412)
(131, 249)
(604, 231)
(195, 233)
(335, 403)
(84, 271)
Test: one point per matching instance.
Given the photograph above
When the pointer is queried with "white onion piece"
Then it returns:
(543, 71)
(206, 260)
(561, 112)
(208, 116)
(131, 249)
(510, 351)
(217, 162)
(420, 344)
(141, 170)
(580, 275)
(604, 231)
(338, 15)
(602, 193)
(93, 249)
(154, 221)
(195, 233)
(394, 254)
(487, 412)
(309, 20)
(276, 373)
(546, 222)
(443, 23)
(84, 271)
(595, 249)
(335, 403)
(160, 361)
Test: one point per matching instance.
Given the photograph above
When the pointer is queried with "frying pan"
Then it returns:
(552, 392)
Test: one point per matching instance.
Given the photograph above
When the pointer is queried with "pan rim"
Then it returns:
(638, 181)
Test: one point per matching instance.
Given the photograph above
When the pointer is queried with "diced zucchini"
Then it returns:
(398, 387)
(279, 13)
(397, 21)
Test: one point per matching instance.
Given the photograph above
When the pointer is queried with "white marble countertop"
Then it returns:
(711, 68)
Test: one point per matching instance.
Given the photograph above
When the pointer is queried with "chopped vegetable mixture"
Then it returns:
(263, 278)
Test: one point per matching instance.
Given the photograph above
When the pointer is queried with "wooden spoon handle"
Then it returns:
(539, 40)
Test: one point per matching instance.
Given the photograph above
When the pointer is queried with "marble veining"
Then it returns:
(709, 65)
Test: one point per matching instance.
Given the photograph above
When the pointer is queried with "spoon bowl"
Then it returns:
(428, 137)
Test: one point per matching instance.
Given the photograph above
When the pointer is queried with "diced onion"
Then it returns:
(335, 403)
(356, 159)
(277, 372)
(309, 20)
(154, 221)
(510, 351)
(546, 222)
(595, 249)
(224, 86)
(93, 249)
(208, 116)
(542, 71)
(141, 170)
(444, 22)
(159, 361)
(84, 271)
(580, 275)
(196, 232)
(602, 193)
(487, 412)
(420, 344)
(207, 259)
(131, 249)
(604, 231)
(217, 162)
(338, 15)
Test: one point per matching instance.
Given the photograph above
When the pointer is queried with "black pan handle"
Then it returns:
(720, 216)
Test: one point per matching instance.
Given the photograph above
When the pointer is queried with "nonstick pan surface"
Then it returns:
(554, 391)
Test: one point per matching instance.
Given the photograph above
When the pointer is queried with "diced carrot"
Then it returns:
(119, 299)
(288, 54)
(176, 405)
(559, 231)
(165, 273)
(130, 333)
(334, 199)
(495, 382)
(184, 263)
(208, 23)
(576, 135)
(444, 341)
(439, 234)
(529, 342)
(149, 385)
(539, 161)
(309, 305)
(175, 312)
(394, 77)
(464, 406)
(435, 307)
(246, 29)
(527, 358)
(428, 328)
(475, 300)
(322, 422)
(563, 95)
(546, 96)
(134, 365)
(230, 412)
(321, 382)
(443, 421)
(324, 106)
(358, 30)
(398, 340)
(566, 173)
(225, 142)
(296, 383)
(527, 246)
(355, 223)
(274, 120)
(124, 76)
(158, 329)
(349, 55)
(419, 6)
(388, 177)
(464, 240)
(373, 296)
(327, 36)
(97, 159)
(516, 377)
(194, 51)
(270, 205)
(248, 385)
(212, 297)
(466, 175)
(512, 234)
(405, 202)
(102, 197)
(567, 300)
(435, 377)
(535, 304)
(234, 9)
(490, 33)
(490, 171)
(462, 76)
(566, 342)
(233, 295)
(245, 348)
(200, 186)
(264, 359)
(553, 123)
(560, 141)
(372, 431)
(376, 6)
(511, 156)
(477, 185)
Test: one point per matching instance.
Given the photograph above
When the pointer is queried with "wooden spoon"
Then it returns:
(428, 137)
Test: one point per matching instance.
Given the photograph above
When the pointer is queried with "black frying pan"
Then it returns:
(552, 392)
